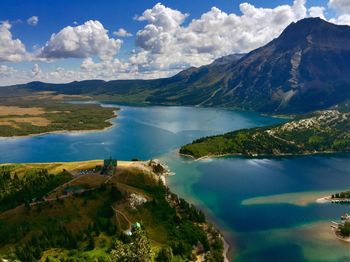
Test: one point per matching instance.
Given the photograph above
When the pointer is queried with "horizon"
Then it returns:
(164, 77)
(158, 40)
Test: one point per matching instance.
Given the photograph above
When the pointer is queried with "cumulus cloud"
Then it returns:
(122, 33)
(340, 6)
(317, 11)
(33, 20)
(82, 41)
(11, 50)
(341, 20)
(166, 43)
(36, 71)
(6, 71)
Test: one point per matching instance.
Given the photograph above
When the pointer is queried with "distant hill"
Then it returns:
(321, 132)
(306, 68)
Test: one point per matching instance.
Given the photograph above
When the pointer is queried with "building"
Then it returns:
(109, 166)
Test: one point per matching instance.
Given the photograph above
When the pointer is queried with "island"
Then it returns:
(325, 131)
(99, 210)
(342, 229)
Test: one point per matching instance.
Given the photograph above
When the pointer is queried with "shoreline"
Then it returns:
(262, 155)
(207, 156)
(227, 245)
(227, 250)
(329, 199)
(323, 200)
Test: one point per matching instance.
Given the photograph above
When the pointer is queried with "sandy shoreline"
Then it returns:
(323, 200)
(226, 251)
(261, 155)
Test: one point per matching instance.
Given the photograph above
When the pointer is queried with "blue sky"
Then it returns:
(154, 49)
(113, 14)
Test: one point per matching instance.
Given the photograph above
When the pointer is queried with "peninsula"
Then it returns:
(99, 211)
(320, 132)
(46, 112)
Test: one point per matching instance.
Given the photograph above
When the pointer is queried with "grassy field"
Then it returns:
(86, 225)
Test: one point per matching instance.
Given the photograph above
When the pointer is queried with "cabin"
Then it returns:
(109, 166)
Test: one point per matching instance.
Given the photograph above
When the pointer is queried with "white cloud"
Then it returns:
(341, 20)
(85, 40)
(122, 33)
(166, 43)
(36, 71)
(33, 20)
(340, 6)
(12, 50)
(6, 71)
(317, 11)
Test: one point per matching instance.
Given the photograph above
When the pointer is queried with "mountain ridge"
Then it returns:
(302, 70)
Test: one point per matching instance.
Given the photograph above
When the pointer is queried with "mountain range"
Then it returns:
(306, 68)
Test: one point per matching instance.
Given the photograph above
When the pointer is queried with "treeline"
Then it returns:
(345, 229)
(32, 186)
(341, 195)
(53, 232)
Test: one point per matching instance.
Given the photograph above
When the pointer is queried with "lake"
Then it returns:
(265, 207)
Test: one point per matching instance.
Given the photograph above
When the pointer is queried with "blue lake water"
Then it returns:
(265, 207)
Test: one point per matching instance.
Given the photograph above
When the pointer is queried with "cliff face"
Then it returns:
(304, 69)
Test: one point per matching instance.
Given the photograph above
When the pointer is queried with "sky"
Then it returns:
(63, 40)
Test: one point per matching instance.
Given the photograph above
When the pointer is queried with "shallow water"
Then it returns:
(276, 227)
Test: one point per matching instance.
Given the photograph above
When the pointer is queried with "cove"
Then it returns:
(263, 229)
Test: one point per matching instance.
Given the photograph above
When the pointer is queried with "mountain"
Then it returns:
(306, 68)
(322, 132)
(189, 87)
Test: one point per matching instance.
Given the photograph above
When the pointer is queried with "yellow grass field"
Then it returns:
(35, 121)
(20, 111)
(57, 167)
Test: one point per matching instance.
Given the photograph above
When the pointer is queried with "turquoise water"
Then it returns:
(265, 207)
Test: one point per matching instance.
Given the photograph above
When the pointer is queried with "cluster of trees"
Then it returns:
(137, 248)
(182, 225)
(50, 237)
(345, 229)
(342, 195)
(32, 237)
(34, 185)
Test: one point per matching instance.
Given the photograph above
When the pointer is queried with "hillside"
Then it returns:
(70, 212)
(305, 69)
(320, 132)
